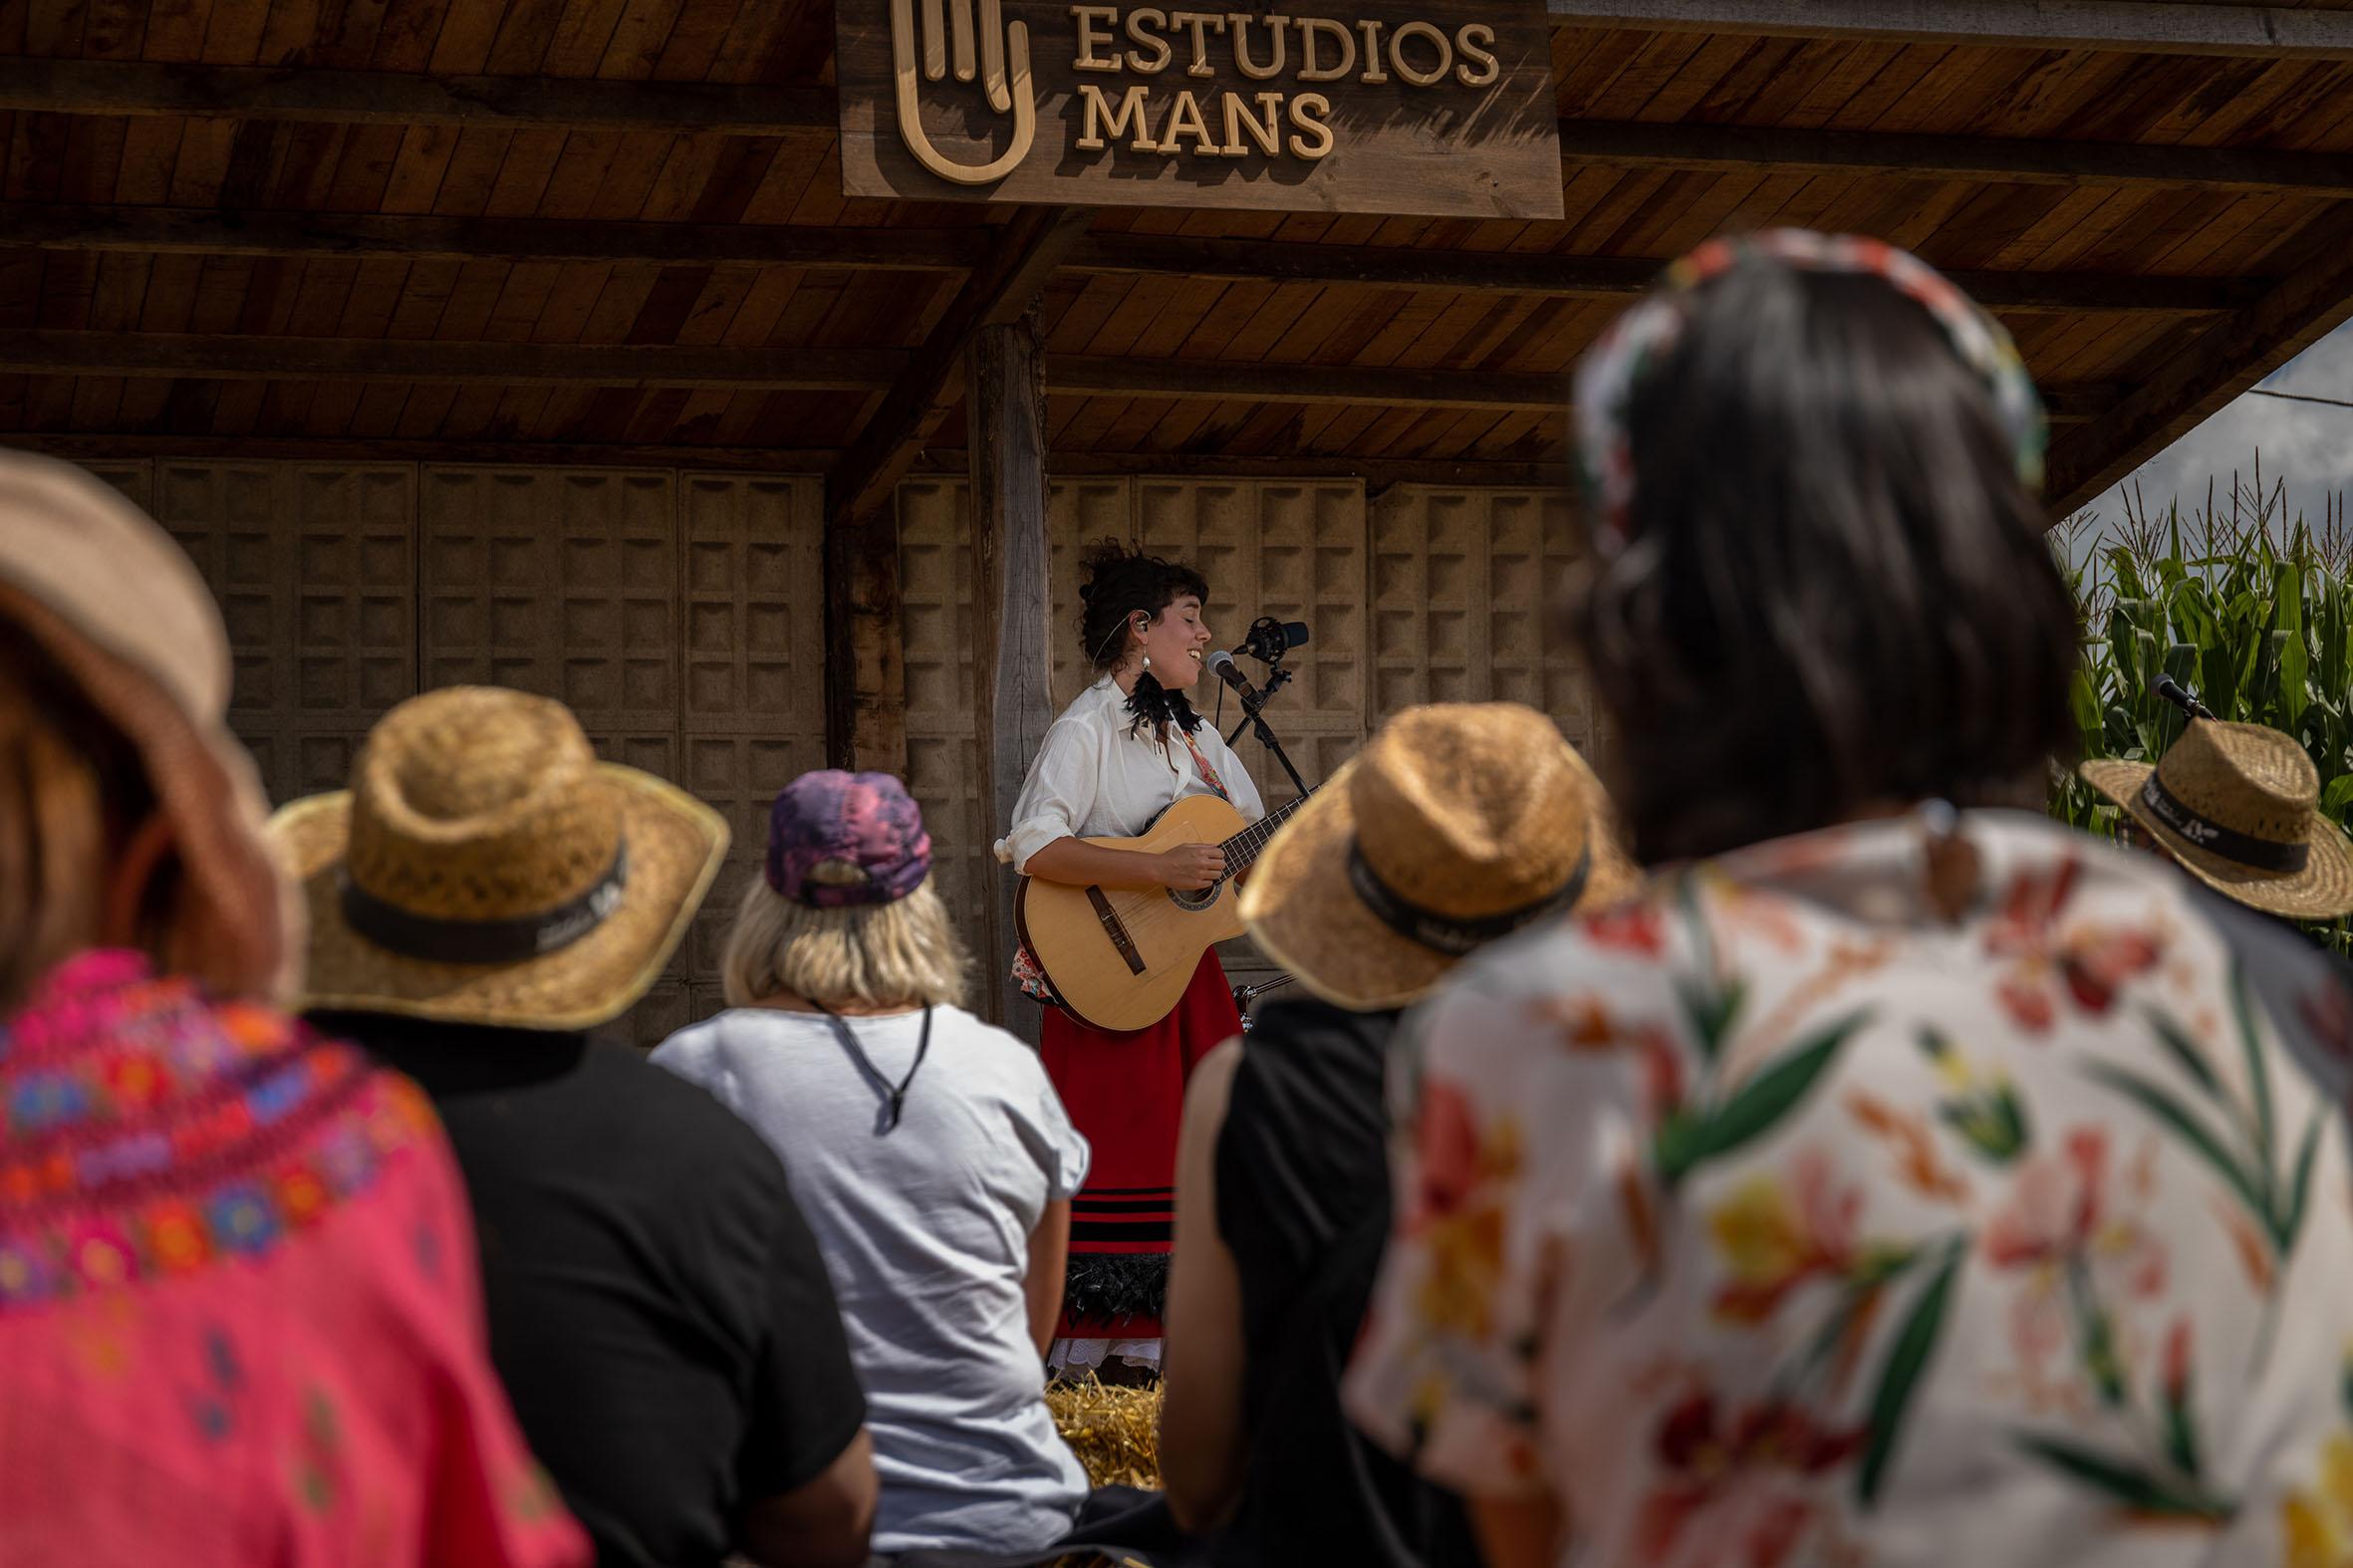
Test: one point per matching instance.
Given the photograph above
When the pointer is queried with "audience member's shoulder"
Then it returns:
(677, 1112)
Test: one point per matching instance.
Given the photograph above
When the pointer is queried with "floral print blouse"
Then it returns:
(1776, 1220)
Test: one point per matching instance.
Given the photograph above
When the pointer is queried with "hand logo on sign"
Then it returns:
(999, 45)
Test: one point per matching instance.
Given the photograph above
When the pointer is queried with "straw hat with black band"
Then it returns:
(485, 867)
(1457, 824)
(2239, 806)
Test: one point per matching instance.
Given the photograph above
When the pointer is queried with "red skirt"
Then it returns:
(1125, 1094)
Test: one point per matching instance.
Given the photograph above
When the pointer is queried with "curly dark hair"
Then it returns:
(1114, 584)
(1835, 592)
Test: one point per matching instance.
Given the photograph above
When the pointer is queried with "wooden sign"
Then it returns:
(1436, 107)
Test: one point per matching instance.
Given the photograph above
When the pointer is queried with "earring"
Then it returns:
(1148, 660)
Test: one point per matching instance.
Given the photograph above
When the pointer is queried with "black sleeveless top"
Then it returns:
(1303, 1203)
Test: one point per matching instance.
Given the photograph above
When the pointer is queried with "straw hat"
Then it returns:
(485, 867)
(118, 606)
(2239, 806)
(1458, 823)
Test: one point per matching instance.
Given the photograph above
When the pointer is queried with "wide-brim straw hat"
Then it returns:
(2238, 805)
(121, 611)
(1458, 823)
(484, 868)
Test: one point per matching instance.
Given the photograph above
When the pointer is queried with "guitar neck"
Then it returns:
(1243, 846)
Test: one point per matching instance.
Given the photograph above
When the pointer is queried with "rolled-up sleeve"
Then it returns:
(1056, 797)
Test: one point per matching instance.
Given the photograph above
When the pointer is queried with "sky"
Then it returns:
(2311, 445)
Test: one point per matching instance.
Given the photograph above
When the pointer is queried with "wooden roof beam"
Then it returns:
(1386, 387)
(205, 356)
(1596, 277)
(1994, 160)
(893, 437)
(161, 230)
(2246, 32)
(88, 87)
(91, 446)
(386, 98)
(2228, 359)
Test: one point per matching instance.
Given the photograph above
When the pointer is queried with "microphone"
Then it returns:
(1221, 664)
(2171, 690)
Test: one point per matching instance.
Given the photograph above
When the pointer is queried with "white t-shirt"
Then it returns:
(1094, 777)
(925, 1232)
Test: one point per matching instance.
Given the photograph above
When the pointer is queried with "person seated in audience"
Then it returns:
(483, 896)
(239, 1318)
(1457, 824)
(927, 1148)
(1903, 1179)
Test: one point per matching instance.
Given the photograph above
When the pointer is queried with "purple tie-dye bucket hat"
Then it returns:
(867, 821)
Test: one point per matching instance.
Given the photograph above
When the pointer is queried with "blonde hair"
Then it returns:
(902, 953)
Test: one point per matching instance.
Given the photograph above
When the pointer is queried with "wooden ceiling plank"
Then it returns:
(365, 169)
(695, 39)
(523, 173)
(2129, 26)
(461, 45)
(175, 30)
(149, 150)
(1027, 250)
(581, 34)
(2218, 366)
(233, 32)
(411, 33)
(54, 28)
(115, 30)
(638, 38)
(419, 169)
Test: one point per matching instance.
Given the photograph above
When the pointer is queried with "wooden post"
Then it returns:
(865, 682)
(1005, 402)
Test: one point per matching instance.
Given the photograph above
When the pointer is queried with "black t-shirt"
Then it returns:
(658, 1308)
(1303, 1203)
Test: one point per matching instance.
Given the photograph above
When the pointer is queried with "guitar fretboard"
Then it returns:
(1244, 845)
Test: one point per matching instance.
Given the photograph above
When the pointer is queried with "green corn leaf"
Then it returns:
(1915, 1343)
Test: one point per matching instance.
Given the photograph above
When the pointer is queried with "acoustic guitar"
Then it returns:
(1120, 958)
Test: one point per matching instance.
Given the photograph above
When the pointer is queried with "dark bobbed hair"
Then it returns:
(1835, 593)
(1114, 584)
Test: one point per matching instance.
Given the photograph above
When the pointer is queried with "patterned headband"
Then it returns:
(1640, 338)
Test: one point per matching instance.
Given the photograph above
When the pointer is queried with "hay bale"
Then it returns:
(1115, 1431)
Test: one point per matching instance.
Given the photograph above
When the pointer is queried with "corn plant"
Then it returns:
(2248, 608)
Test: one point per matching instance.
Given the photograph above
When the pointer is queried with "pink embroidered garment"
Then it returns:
(1775, 1220)
(239, 1319)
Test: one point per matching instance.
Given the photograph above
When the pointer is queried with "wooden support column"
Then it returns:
(865, 680)
(1005, 399)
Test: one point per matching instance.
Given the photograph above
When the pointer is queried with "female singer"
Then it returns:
(1120, 755)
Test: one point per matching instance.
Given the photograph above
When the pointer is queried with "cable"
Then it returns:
(2331, 403)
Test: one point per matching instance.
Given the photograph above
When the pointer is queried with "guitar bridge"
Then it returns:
(1117, 929)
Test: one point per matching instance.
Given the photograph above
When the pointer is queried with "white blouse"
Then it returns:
(1096, 778)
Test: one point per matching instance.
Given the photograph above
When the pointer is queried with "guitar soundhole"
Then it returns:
(1196, 900)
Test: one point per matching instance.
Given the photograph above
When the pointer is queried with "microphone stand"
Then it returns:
(1254, 702)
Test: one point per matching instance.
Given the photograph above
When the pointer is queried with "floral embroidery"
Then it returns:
(2045, 1174)
(204, 1132)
